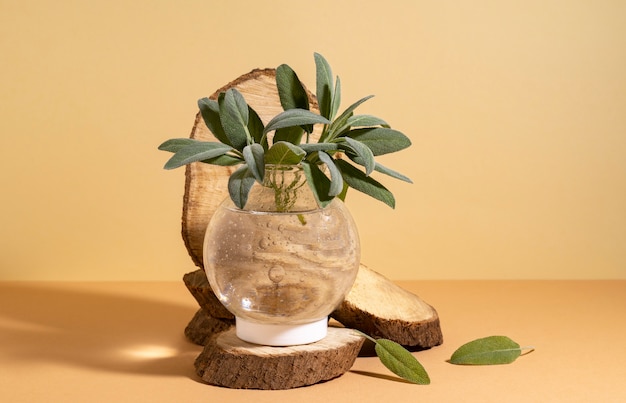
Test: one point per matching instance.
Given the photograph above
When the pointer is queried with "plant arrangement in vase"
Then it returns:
(244, 140)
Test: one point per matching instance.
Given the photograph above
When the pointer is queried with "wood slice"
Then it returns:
(228, 361)
(381, 309)
(203, 326)
(198, 285)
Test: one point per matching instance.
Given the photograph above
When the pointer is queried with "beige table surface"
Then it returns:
(123, 342)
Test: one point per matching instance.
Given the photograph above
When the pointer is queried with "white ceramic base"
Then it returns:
(281, 335)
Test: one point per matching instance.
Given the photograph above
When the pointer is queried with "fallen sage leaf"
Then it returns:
(401, 362)
(398, 360)
(492, 350)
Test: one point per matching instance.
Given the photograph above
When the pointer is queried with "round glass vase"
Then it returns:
(282, 264)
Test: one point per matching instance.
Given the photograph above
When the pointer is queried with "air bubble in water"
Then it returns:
(276, 274)
(264, 243)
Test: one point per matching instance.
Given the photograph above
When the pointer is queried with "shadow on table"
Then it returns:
(392, 378)
(63, 325)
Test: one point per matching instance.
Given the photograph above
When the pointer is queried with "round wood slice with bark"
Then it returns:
(228, 361)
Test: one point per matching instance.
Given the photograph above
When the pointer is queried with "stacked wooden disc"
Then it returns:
(375, 305)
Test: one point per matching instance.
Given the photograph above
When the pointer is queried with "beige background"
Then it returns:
(516, 109)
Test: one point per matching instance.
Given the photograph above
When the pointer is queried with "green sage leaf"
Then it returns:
(254, 155)
(291, 92)
(197, 151)
(358, 180)
(173, 145)
(366, 121)
(360, 150)
(239, 184)
(384, 170)
(312, 147)
(242, 106)
(234, 117)
(341, 121)
(291, 135)
(284, 153)
(210, 111)
(380, 140)
(294, 117)
(336, 181)
(401, 362)
(344, 192)
(324, 85)
(290, 89)
(394, 174)
(255, 127)
(359, 121)
(318, 182)
(223, 160)
(336, 99)
(490, 350)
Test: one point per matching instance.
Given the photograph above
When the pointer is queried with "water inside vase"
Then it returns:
(282, 267)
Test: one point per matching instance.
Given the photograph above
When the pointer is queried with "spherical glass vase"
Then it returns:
(282, 264)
